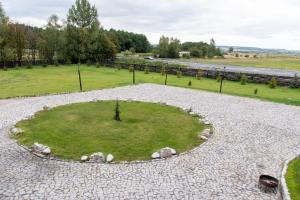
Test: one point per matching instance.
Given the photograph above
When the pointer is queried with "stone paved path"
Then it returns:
(251, 137)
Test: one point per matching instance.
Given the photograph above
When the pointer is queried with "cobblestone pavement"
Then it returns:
(251, 137)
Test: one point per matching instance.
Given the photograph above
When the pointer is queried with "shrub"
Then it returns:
(186, 56)
(163, 70)
(4, 68)
(130, 69)
(117, 116)
(178, 74)
(69, 62)
(88, 63)
(244, 79)
(56, 63)
(293, 83)
(127, 53)
(255, 56)
(219, 78)
(237, 55)
(44, 65)
(97, 65)
(28, 67)
(118, 67)
(146, 70)
(199, 74)
(273, 83)
(247, 56)
(255, 91)
(195, 52)
(190, 83)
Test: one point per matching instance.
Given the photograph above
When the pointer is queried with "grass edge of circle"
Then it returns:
(188, 140)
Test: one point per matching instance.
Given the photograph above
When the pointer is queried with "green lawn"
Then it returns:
(293, 179)
(41, 81)
(82, 129)
(281, 62)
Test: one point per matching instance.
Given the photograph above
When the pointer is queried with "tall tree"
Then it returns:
(17, 33)
(82, 29)
(5, 50)
(163, 47)
(50, 41)
(174, 48)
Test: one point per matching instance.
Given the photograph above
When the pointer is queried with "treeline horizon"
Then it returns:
(81, 38)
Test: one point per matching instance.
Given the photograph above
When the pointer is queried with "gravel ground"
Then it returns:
(251, 137)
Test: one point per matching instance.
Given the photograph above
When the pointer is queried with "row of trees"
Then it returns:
(170, 48)
(202, 49)
(78, 39)
(127, 40)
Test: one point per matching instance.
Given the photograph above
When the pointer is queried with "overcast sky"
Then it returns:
(259, 23)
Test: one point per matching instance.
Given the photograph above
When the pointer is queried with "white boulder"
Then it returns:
(109, 158)
(155, 155)
(84, 158)
(41, 149)
(16, 131)
(204, 138)
(97, 157)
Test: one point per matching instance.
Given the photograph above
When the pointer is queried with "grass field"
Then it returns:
(82, 129)
(41, 81)
(293, 179)
(281, 62)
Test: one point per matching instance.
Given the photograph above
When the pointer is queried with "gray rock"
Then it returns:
(109, 158)
(46, 151)
(166, 152)
(206, 133)
(97, 157)
(41, 149)
(155, 155)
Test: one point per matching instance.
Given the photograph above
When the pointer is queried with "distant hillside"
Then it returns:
(259, 50)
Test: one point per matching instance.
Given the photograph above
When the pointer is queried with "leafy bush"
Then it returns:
(179, 74)
(195, 52)
(130, 69)
(146, 70)
(273, 83)
(190, 83)
(4, 68)
(163, 70)
(247, 56)
(237, 55)
(88, 63)
(199, 74)
(119, 67)
(97, 65)
(293, 83)
(244, 79)
(255, 91)
(127, 53)
(69, 62)
(219, 78)
(44, 65)
(56, 63)
(186, 56)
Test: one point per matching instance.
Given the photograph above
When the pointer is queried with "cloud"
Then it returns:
(262, 23)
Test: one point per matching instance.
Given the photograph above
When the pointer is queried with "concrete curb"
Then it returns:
(284, 189)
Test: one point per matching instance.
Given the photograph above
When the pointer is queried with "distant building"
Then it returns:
(181, 53)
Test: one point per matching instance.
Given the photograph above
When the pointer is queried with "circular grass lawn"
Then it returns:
(293, 179)
(85, 128)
